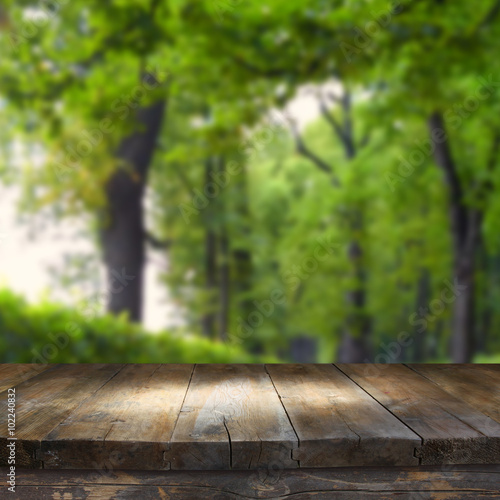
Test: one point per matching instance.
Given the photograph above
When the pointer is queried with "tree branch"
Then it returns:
(305, 151)
(344, 131)
(334, 97)
(157, 243)
(330, 118)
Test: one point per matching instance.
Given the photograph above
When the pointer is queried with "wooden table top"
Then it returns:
(221, 417)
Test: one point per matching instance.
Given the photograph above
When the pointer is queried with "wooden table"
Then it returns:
(253, 431)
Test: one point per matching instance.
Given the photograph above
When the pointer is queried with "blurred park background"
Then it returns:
(242, 180)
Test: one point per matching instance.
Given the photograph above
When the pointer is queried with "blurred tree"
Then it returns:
(455, 43)
(89, 81)
(123, 233)
(224, 195)
(81, 81)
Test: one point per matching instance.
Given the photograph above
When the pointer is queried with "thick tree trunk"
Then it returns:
(122, 231)
(462, 347)
(465, 230)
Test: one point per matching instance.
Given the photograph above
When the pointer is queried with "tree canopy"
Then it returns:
(365, 232)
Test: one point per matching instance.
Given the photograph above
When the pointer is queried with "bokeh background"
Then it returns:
(241, 180)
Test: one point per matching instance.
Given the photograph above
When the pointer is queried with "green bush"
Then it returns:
(52, 333)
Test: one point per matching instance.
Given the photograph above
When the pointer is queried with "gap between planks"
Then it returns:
(454, 431)
(288, 416)
(369, 387)
(416, 451)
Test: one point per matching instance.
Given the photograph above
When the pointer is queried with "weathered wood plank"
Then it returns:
(89, 492)
(453, 432)
(144, 416)
(232, 418)
(337, 423)
(126, 424)
(42, 402)
(478, 385)
(14, 374)
(460, 482)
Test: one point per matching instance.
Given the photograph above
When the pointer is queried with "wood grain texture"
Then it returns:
(127, 423)
(460, 482)
(337, 423)
(14, 374)
(453, 432)
(477, 385)
(241, 417)
(44, 401)
(232, 418)
(89, 492)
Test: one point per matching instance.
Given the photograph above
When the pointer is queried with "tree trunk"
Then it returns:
(463, 314)
(122, 232)
(208, 320)
(304, 349)
(465, 230)
(241, 254)
(354, 347)
(224, 265)
(435, 342)
(225, 286)
(486, 313)
(422, 300)
(355, 343)
(462, 347)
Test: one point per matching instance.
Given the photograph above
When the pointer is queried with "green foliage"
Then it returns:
(52, 333)
(228, 63)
